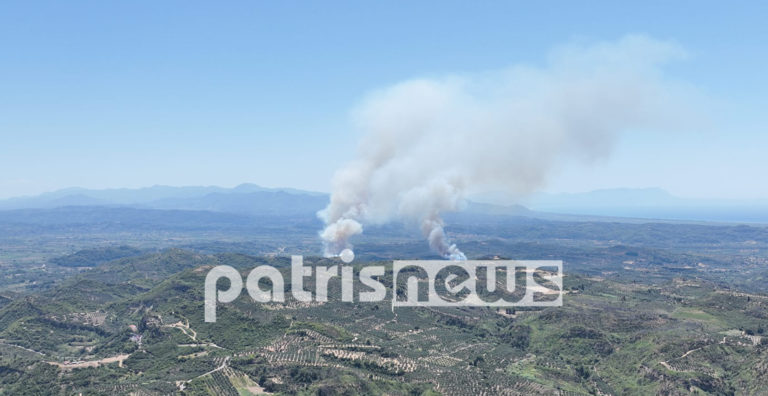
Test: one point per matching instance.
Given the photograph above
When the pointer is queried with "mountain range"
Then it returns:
(621, 204)
(243, 199)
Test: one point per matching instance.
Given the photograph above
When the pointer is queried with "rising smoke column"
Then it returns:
(429, 142)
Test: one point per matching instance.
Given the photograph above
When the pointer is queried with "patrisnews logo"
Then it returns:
(415, 283)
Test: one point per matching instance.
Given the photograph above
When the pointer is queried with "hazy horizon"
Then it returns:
(488, 196)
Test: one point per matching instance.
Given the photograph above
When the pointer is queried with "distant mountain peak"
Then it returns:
(146, 197)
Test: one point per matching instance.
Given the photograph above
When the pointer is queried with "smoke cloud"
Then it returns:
(428, 142)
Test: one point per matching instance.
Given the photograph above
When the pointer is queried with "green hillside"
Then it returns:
(135, 326)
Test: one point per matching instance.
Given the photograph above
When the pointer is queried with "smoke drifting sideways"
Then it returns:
(429, 142)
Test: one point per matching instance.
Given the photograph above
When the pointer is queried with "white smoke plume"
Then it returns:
(428, 142)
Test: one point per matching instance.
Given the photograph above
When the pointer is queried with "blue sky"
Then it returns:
(107, 94)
